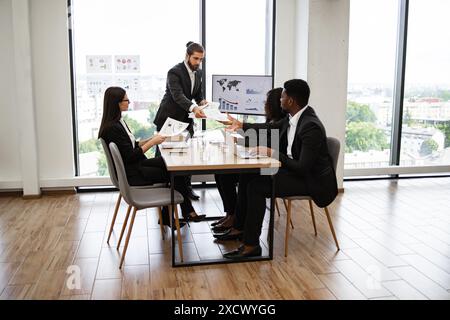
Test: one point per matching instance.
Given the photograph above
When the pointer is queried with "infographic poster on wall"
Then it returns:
(129, 83)
(243, 94)
(127, 64)
(98, 64)
(96, 85)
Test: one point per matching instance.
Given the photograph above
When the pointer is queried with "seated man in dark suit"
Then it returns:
(306, 168)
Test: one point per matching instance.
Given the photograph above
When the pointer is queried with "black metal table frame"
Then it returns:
(173, 174)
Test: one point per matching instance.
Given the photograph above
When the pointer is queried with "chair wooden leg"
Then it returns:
(276, 207)
(161, 226)
(177, 224)
(123, 227)
(130, 228)
(312, 217)
(331, 227)
(288, 218)
(116, 209)
(285, 205)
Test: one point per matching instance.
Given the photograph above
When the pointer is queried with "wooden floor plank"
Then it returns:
(109, 289)
(136, 283)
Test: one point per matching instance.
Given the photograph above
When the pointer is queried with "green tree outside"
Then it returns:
(89, 146)
(428, 147)
(361, 132)
(102, 165)
(444, 95)
(357, 112)
(364, 136)
(407, 118)
(445, 128)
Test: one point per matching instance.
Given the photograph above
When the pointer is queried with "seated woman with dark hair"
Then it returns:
(227, 183)
(140, 170)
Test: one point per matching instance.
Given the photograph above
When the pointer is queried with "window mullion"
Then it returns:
(399, 85)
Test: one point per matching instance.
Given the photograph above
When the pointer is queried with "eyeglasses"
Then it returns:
(126, 100)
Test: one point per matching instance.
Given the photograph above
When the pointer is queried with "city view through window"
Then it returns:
(425, 138)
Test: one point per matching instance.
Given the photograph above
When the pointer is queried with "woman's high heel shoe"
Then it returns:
(195, 217)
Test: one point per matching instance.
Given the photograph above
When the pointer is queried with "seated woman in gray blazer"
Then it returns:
(139, 169)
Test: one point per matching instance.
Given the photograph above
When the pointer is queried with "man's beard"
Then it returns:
(193, 68)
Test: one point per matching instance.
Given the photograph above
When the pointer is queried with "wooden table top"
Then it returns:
(209, 152)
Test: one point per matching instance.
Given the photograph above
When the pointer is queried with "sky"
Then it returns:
(158, 31)
(372, 43)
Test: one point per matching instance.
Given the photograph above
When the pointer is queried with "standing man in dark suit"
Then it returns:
(306, 168)
(184, 84)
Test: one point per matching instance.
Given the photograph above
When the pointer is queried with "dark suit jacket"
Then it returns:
(178, 98)
(311, 159)
(132, 156)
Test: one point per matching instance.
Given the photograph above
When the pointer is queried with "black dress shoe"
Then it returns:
(220, 234)
(215, 223)
(239, 253)
(220, 229)
(192, 195)
(227, 235)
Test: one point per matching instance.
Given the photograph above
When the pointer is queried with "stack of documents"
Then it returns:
(174, 145)
(247, 153)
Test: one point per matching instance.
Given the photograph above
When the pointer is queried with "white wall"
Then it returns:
(322, 33)
(10, 171)
(318, 53)
(301, 39)
(51, 78)
(51, 95)
(284, 41)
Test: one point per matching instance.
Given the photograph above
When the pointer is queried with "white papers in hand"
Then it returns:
(173, 127)
(211, 105)
(215, 114)
(211, 111)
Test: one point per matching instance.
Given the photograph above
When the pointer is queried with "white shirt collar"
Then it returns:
(127, 130)
(293, 120)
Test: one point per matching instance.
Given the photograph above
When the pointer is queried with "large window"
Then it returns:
(398, 111)
(371, 73)
(134, 43)
(426, 106)
(131, 44)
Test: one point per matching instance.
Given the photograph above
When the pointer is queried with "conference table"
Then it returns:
(211, 152)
